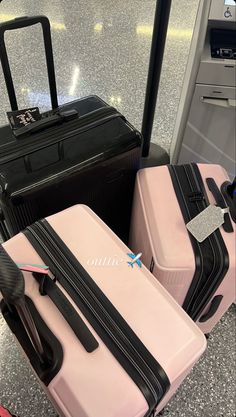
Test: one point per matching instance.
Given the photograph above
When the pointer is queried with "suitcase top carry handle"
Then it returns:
(18, 23)
(45, 123)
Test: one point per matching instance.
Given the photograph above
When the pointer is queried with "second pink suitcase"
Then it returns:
(114, 342)
(200, 276)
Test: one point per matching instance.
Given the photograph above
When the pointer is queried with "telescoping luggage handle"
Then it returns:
(18, 23)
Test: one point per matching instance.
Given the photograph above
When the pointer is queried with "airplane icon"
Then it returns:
(135, 259)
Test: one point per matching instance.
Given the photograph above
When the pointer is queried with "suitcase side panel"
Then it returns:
(155, 196)
(177, 268)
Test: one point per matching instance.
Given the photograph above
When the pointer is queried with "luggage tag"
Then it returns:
(41, 269)
(24, 117)
(206, 222)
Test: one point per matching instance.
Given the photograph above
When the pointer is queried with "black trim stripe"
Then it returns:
(223, 256)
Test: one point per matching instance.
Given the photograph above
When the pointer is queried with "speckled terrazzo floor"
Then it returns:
(102, 47)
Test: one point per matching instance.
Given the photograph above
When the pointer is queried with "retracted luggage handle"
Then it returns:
(22, 22)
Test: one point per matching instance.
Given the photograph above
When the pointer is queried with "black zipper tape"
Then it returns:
(141, 366)
(48, 287)
(222, 257)
(178, 185)
(208, 254)
(211, 256)
(73, 169)
(219, 199)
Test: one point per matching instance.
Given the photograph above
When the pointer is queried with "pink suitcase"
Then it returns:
(98, 367)
(200, 276)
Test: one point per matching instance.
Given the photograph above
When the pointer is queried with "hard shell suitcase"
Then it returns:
(81, 152)
(115, 343)
(200, 276)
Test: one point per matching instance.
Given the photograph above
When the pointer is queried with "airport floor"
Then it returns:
(102, 47)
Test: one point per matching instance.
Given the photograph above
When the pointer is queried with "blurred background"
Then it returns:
(100, 47)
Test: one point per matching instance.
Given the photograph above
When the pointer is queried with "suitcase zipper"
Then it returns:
(57, 134)
(200, 293)
(198, 255)
(63, 268)
(208, 290)
(69, 171)
(205, 290)
(199, 283)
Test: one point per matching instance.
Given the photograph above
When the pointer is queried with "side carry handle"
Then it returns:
(215, 304)
(18, 23)
(12, 287)
(227, 225)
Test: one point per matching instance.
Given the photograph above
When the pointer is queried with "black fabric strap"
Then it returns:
(48, 287)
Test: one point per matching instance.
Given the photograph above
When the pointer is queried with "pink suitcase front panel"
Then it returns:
(95, 385)
(88, 384)
(158, 230)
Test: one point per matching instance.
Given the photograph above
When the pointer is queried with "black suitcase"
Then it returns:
(81, 152)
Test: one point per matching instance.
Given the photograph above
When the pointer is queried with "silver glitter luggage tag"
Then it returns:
(206, 222)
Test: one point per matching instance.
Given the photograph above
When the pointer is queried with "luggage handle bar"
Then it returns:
(18, 23)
